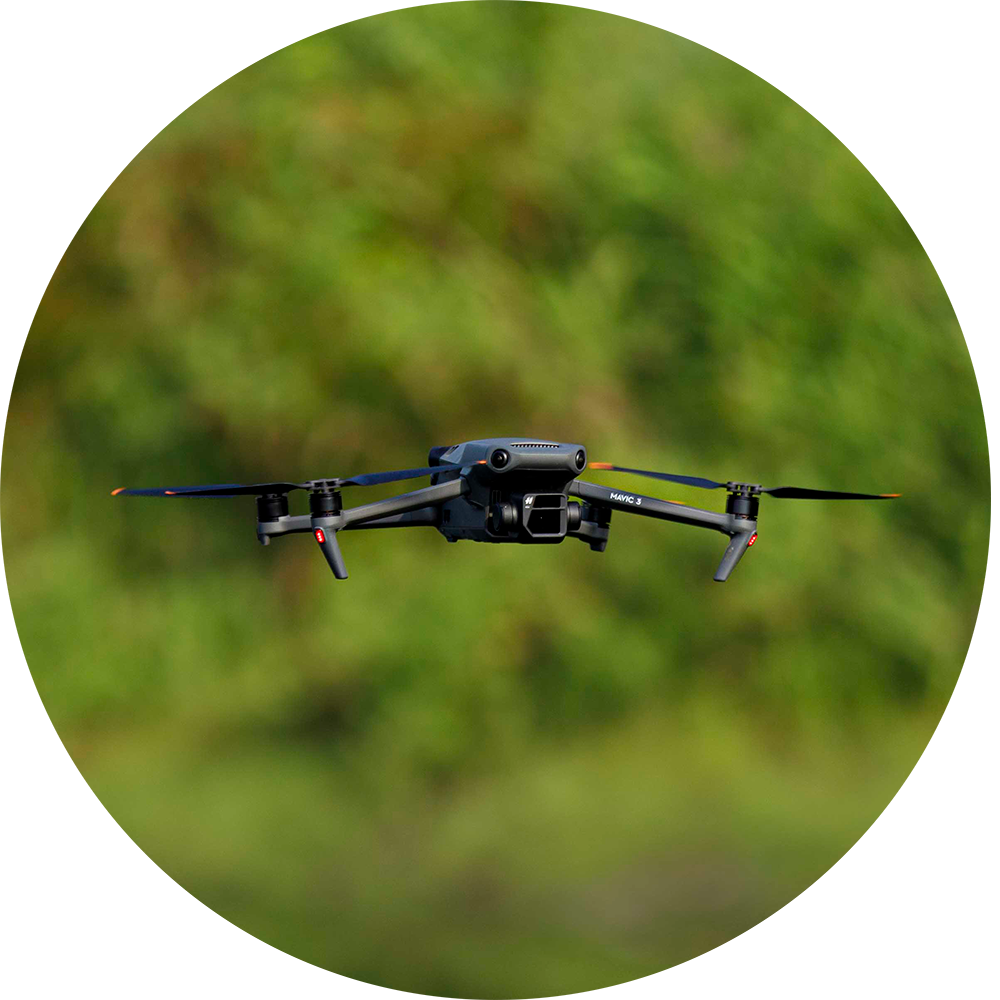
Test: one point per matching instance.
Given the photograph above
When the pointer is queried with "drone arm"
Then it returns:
(325, 528)
(664, 510)
(416, 507)
(286, 525)
(742, 531)
(405, 502)
(425, 516)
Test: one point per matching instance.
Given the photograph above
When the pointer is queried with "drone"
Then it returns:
(502, 490)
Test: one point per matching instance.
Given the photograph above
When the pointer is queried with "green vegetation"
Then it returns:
(492, 771)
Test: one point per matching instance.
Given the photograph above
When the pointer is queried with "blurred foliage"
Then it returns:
(494, 771)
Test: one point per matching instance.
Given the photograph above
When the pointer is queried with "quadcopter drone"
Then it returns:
(502, 490)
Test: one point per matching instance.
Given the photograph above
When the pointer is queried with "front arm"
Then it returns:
(741, 531)
(416, 507)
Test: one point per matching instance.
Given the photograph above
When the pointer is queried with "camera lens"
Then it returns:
(581, 459)
(500, 458)
(502, 517)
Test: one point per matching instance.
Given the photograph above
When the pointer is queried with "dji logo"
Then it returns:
(626, 498)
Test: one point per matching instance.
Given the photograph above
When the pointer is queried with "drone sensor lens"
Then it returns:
(581, 459)
(500, 458)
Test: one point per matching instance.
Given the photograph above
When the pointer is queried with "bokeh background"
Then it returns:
(494, 771)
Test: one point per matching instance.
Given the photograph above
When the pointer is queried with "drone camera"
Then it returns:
(542, 516)
(502, 518)
(545, 514)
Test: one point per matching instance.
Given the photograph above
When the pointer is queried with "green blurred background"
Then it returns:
(494, 771)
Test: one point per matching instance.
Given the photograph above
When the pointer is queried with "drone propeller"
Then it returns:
(377, 478)
(264, 489)
(783, 492)
(221, 490)
(802, 493)
(705, 484)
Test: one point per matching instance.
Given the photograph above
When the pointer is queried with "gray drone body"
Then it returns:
(502, 490)
(521, 485)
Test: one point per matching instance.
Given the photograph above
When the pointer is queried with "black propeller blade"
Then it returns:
(222, 490)
(782, 492)
(705, 484)
(376, 478)
(800, 493)
(262, 489)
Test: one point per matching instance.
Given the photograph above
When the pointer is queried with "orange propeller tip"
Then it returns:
(890, 496)
(115, 493)
(170, 493)
(601, 465)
